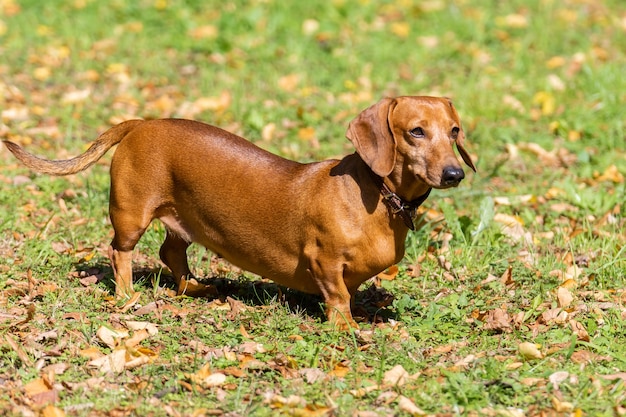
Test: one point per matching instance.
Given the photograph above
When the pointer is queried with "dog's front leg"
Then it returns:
(173, 253)
(336, 295)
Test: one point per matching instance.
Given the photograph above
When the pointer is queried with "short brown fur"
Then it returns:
(320, 228)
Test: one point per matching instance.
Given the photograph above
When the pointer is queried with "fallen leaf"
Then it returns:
(26, 360)
(396, 376)
(557, 377)
(613, 377)
(52, 411)
(529, 350)
(112, 363)
(564, 297)
(497, 320)
(561, 406)
(340, 370)
(151, 328)
(312, 375)
(611, 174)
(408, 406)
(111, 337)
(389, 274)
(205, 32)
(579, 330)
(512, 227)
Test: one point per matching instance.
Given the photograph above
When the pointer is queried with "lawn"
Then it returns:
(510, 301)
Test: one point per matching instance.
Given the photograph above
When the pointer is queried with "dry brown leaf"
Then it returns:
(205, 378)
(136, 338)
(497, 320)
(564, 297)
(463, 364)
(91, 353)
(112, 363)
(151, 328)
(21, 353)
(613, 377)
(312, 375)
(512, 227)
(507, 277)
(396, 376)
(557, 377)
(41, 391)
(111, 337)
(554, 315)
(579, 330)
(408, 406)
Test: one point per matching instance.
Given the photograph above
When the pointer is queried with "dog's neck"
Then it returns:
(398, 205)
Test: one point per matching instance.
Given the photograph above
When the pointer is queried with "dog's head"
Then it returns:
(414, 135)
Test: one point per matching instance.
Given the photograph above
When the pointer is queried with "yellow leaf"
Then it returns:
(306, 133)
(555, 62)
(514, 21)
(42, 73)
(43, 30)
(546, 101)
(611, 174)
(340, 370)
(530, 350)
(401, 29)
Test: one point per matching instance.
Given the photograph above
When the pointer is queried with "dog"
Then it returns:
(321, 228)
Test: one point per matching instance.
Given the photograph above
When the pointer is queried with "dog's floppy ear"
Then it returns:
(460, 140)
(371, 134)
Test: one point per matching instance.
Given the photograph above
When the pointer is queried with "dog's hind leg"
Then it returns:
(128, 230)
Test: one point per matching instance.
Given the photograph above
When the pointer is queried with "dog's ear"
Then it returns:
(371, 134)
(460, 140)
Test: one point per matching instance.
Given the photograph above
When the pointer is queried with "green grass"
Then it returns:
(540, 89)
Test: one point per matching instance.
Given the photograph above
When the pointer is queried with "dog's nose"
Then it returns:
(452, 176)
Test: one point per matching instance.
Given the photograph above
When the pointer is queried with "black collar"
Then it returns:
(406, 209)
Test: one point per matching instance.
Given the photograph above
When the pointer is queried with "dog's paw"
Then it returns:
(192, 288)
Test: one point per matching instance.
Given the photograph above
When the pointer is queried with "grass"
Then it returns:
(540, 89)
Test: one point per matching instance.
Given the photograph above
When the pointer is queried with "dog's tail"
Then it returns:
(106, 141)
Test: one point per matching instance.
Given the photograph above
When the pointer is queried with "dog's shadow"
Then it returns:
(371, 304)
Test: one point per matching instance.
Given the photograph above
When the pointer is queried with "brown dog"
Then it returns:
(321, 228)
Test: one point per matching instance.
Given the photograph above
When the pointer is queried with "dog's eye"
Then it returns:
(455, 132)
(417, 132)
